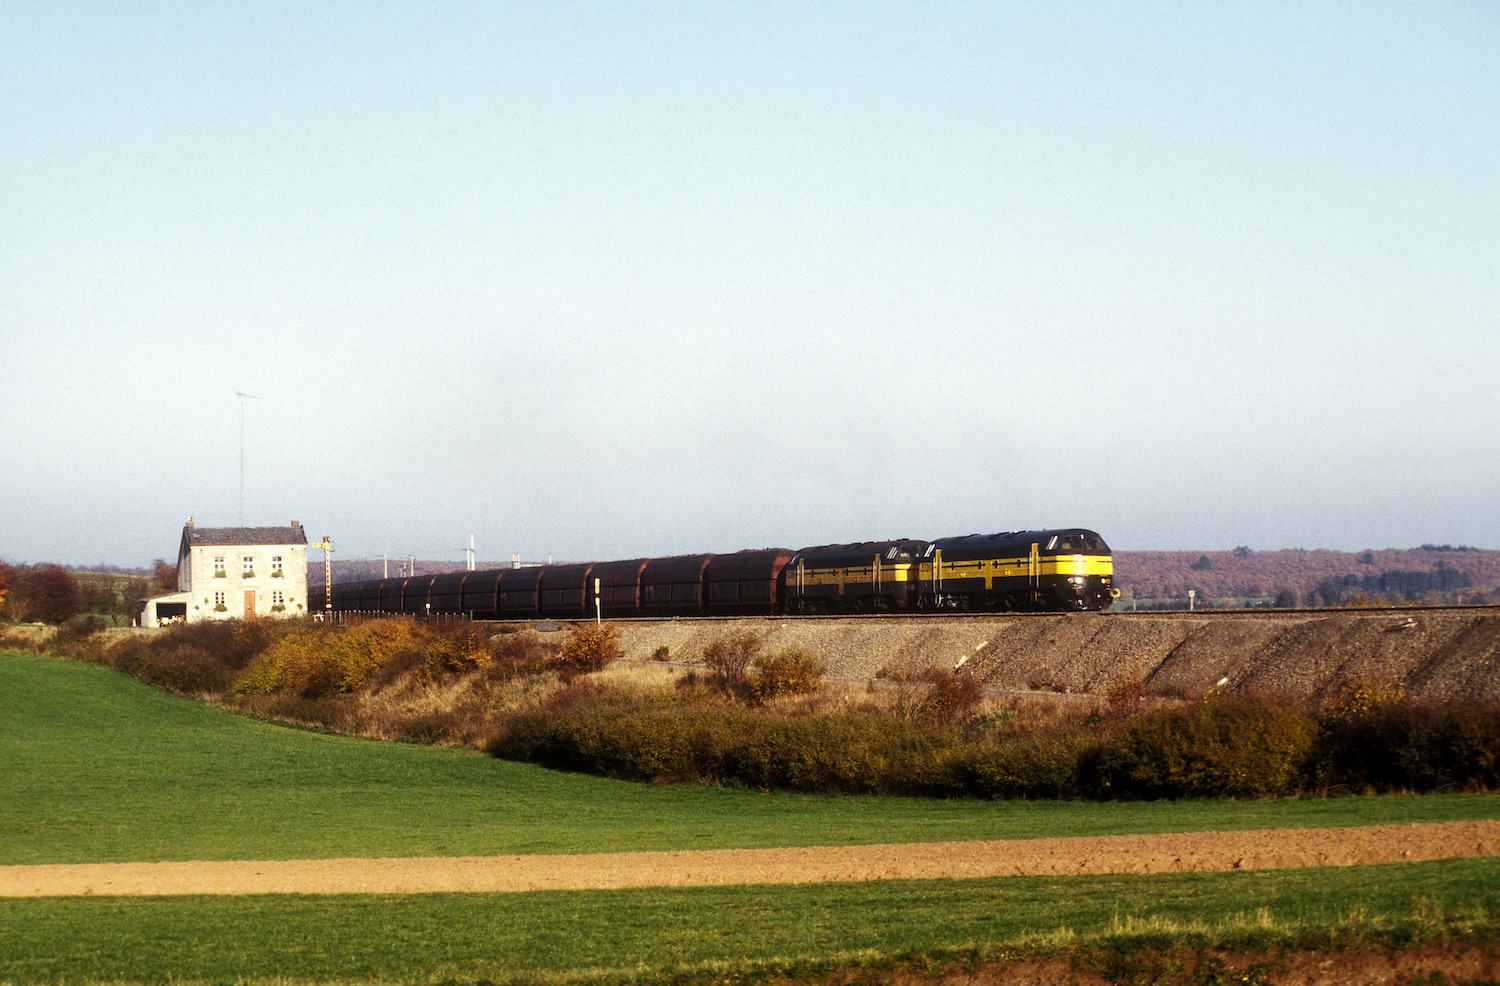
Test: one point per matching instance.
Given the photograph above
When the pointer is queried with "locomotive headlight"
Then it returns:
(1076, 579)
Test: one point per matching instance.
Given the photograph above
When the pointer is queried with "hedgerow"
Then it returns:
(1374, 739)
(1223, 746)
(767, 721)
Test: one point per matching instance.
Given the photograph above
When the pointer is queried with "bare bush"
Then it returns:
(937, 695)
(1126, 699)
(728, 661)
(953, 698)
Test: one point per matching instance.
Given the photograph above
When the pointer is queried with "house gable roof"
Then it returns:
(233, 537)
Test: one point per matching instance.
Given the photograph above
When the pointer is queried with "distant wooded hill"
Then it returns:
(1289, 577)
(1296, 577)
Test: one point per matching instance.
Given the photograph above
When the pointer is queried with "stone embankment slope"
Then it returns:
(1439, 654)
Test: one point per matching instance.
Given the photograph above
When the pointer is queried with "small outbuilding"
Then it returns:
(234, 573)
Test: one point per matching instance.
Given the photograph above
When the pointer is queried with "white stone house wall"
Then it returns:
(232, 573)
(233, 582)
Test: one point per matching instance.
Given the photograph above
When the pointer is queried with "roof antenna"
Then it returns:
(242, 395)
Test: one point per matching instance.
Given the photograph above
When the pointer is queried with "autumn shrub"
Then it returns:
(430, 726)
(918, 759)
(1224, 746)
(1451, 746)
(357, 652)
(791, 672)
(189, 659)
(315, 659)
(687, 736)
(295, 662)
(455, 648)
(75, 631)
(1357, 698)
(432, 653)
(652, 739)
(13, 640)
(184, 668)
(1125, 699)
(407, 669)
(233, 643)
(1375, 739)
(828, 753)
(1027, 764)
(728, 661)
(1362, 726)
(590, 648)
(584, 726)
(82, 639)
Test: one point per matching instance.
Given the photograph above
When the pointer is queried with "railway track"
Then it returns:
(1117, 614)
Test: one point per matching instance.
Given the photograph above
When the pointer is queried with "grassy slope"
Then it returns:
(100, 767)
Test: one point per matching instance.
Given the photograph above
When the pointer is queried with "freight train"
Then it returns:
(1062, 570)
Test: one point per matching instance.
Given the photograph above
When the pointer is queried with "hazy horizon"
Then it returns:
(612, 281)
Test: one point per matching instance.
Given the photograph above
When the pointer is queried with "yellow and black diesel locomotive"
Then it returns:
(1018, 570)
(868, 575)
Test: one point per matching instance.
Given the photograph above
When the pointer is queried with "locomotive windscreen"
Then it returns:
(1078, 543)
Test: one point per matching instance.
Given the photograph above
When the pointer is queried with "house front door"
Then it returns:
(249, 603)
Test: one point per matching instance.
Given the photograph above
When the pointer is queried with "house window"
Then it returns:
(275, 566)
(219, 601)
(249, 565)
(278, 601)
(218, 566)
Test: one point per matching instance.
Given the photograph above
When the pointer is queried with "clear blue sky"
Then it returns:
(602, 279)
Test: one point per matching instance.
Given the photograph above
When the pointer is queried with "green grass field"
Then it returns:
(617, 935)
(101, 768)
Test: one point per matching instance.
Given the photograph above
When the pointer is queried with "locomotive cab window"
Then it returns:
(1077, 543)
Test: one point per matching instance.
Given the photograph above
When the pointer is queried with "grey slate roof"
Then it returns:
(214, 537)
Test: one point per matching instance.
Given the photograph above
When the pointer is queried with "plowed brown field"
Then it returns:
(1176, 852)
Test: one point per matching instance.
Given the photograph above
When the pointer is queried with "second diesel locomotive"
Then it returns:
(1058, 570)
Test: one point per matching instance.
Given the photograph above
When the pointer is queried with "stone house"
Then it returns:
(235, 573)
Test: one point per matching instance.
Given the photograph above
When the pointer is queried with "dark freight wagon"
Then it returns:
(673, 586)
(745, 581)
(618, 586)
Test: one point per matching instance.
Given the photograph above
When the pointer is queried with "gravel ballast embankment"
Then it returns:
(1445, 654)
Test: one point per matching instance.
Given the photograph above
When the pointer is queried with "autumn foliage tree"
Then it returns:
(44, 593)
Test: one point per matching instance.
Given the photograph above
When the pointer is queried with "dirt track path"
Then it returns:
(1267, 849)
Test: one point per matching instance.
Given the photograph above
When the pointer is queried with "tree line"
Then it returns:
(47, 593)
